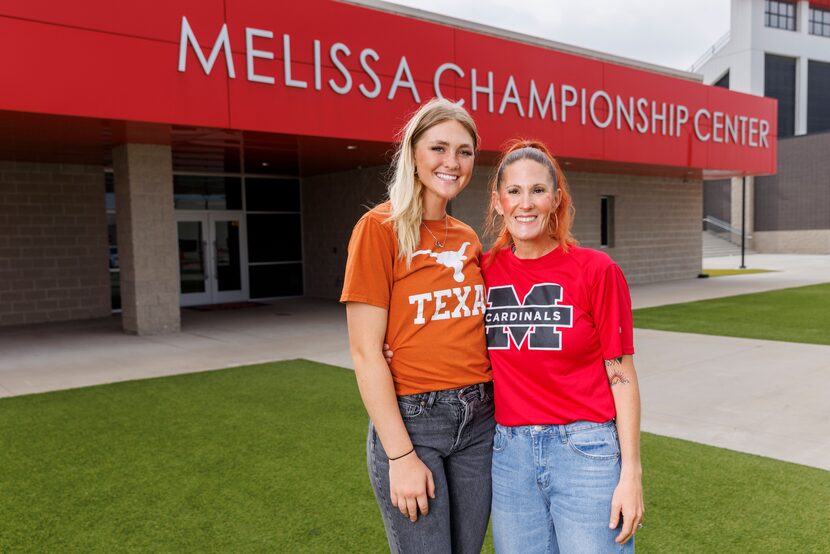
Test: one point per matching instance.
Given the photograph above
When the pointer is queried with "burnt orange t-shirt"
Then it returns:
(435, 323)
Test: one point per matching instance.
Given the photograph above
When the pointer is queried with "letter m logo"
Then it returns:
(538, 316)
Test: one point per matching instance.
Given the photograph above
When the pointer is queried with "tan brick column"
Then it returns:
(147, 248)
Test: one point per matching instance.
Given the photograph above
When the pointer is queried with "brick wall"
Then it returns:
(53, 243)
(657, 235)
(798, 196)
(657, 220)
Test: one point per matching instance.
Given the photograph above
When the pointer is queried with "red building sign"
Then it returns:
(329, 69)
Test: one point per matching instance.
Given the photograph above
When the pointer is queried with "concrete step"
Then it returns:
(715, 246)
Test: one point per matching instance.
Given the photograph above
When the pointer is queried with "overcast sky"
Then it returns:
(665, 32)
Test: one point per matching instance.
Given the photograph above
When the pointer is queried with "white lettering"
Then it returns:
(347, 85)
(436, 81)
(753, 131)
(475, 89)
(250, 54)
(567, 103)
(717, 126)
(318, 67)
(439, 296)
(550, 101)
(511, 96)
(478, 304)
(582, 108)
(703, 112)
(764, 133)
(222, 42)
(622, 113)
(609, 109)
(462, 302)
(671, 120)
(642, 104)
(420, 299)
(731, 129)
(682, 117)
(398, 82)
(369, 53)
(655, 117)
(286, 60)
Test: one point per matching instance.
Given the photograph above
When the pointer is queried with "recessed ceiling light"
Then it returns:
(351, 147)
(265, 164)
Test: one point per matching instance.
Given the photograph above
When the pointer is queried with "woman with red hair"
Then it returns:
(566, 456)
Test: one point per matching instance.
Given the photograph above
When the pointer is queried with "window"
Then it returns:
(275, 242)
(818, 96)
(779, 15)
(820, 22)
(112, 239)
(779, 83)
(606, 221)
(207, 192)
(723, 82)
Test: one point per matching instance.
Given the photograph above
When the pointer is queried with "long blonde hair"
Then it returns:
(405, 190)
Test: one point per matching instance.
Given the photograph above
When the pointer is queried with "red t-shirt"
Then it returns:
(551, 322)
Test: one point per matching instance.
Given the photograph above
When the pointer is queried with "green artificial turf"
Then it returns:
(270, 458)
(799, 314)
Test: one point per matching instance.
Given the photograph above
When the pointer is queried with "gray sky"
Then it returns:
(665, 32)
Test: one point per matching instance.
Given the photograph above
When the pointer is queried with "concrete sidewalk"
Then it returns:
(763, 397)
(789, 271)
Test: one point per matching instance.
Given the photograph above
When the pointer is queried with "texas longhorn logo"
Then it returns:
(538, 315)
(451, 259)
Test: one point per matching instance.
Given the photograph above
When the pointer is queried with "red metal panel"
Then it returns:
(823, 4)
(96, 61)
(526, 63)
(157, 19)
(70, 71)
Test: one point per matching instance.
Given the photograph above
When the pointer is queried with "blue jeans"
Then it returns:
(552, 488)
(452, 431)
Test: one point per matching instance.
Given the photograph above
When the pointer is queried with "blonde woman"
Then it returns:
(413, 281)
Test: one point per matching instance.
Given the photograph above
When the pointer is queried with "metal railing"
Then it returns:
(711, 51)
(723, 230)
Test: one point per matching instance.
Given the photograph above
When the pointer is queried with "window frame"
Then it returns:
(819, 22)
(779, 14)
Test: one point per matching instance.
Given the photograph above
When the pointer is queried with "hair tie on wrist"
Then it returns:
(402, 455)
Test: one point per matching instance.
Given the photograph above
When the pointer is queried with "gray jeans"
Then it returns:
(452, 431)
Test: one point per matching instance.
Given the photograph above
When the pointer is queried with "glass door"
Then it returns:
(212, 258)
(229, 281)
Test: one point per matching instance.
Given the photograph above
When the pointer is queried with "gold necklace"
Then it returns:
(438, 243)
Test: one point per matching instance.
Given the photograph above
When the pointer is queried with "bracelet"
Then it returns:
(403, 455)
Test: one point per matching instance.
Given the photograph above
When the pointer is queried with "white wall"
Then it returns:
(750, 40)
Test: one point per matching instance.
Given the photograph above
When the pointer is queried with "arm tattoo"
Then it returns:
(614, 370)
